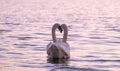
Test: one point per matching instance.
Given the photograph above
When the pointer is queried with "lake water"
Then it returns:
(25, 31)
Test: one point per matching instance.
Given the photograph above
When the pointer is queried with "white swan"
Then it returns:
(59, 48)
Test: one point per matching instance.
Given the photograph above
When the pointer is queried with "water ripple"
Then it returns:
(15, 53)
(12, 23)
(4, 31)
(24, 45)
(98, 60)
(3, 49)
(23, 37)
(44, 34)
(90, 56)
(97, 37)
(1, 56)
(38, 49)
(75, 69)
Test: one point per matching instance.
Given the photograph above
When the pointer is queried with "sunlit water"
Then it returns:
(25, 31)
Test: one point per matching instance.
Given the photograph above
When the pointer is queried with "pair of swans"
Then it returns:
(59, 48)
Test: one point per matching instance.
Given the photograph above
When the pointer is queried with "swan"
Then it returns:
(59, 48)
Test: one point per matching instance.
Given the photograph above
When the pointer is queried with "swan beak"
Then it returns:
(60, 29)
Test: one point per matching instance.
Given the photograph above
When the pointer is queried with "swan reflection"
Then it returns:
(58, 61)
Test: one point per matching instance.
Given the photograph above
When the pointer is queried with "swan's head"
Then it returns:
(60, 29)
(57, 25)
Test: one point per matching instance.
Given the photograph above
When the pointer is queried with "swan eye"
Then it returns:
(60, 29)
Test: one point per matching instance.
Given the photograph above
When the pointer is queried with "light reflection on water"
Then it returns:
(94, 43)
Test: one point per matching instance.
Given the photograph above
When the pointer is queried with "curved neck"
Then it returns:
(65, 33)
(53, 32)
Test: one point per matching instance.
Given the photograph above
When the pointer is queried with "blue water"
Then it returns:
(25, 31)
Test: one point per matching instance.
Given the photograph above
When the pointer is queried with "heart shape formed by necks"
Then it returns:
(60, 29)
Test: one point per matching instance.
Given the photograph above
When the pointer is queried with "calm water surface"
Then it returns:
(25, 32)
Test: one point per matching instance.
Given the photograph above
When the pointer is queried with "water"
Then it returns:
(25, 31)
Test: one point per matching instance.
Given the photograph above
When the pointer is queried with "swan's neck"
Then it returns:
(64, 27)
(53, 33)
(65, 33)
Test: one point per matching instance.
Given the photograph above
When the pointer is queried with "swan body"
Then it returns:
(59, 48)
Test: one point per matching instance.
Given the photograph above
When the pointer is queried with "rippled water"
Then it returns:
(25, 31)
